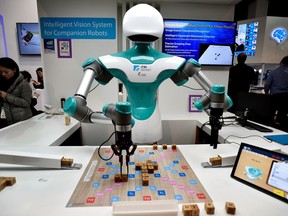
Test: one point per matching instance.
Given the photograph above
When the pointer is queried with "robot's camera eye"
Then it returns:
(143, 38)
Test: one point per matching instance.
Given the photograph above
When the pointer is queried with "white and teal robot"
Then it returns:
(142, 69)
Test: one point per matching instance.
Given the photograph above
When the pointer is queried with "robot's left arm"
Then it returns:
(214, 97)
(76, 106)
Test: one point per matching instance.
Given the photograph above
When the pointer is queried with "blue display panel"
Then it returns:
(209, 42)
(246, 38)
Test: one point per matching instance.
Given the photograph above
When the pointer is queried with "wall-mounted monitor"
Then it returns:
(246, 38)
(208, 42)
(29, 40)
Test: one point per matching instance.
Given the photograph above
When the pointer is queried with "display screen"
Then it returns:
(29, 40)
(246, 39)
(208, 42)
(262, 169)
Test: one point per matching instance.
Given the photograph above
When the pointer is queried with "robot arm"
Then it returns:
(214, 96)
(76, 106)
(120, 114)
(213, 102)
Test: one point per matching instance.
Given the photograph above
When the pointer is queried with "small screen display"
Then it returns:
(262, 169)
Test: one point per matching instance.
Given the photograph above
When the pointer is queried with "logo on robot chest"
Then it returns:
(142, 70)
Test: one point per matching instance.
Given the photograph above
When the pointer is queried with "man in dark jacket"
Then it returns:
(241, 76)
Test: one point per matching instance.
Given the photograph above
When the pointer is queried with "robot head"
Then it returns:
(143, 23)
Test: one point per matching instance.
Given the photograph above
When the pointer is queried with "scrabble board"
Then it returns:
(174, 179)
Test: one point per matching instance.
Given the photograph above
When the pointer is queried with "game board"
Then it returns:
(174, 179)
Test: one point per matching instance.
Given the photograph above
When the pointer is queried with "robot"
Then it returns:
(142, 69)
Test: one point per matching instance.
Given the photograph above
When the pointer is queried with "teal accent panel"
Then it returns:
(70, 106)
(193, 61)
(105, 107)
(229, 100)
(132, 122)
(88, 62)
(182, 82)
(218, 89)
(123, 107)
(102, 83)
(142, 96)
(199, 105)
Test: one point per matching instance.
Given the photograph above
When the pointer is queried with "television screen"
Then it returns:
(259, 107)
(208, 42)
(246, 38)
(29, 40)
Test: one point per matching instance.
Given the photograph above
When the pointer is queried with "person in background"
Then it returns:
(27, 76)
(241, 76)
(15, 93)
(276, 84)
(39, 84)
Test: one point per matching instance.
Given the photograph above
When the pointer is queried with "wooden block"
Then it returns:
(150, 164)
(230, 208)
(150, 169)
(117, 178)
(144, 170)
(173, 146)
(10, 181)
(6, 181)
(145, 175)
(209, 208)
(164, 146)
(124, 178)
(2, 184)
(144, 167)
(138, 166)
(148, 161)
(145, 181)
(155, 146)
(195, 210)
(216, 160)
(186, 210)
(155, 165)
(67, 120)
(66, 162)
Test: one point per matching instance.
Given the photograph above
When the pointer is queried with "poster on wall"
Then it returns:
(49, 46)
(192, 99)
(64, 48)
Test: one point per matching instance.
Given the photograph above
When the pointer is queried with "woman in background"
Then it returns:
(15, 92)
(27, 76)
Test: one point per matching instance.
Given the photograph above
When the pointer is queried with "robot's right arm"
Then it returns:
(76, 106)
(214, 97)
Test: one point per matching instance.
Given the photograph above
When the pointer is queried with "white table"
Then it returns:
(40, 130)
(46, 192)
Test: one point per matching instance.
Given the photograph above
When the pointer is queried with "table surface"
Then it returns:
(40, 130)
(46, 192)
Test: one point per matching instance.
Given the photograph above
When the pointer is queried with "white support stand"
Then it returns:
(36, 160)
(149, 208)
